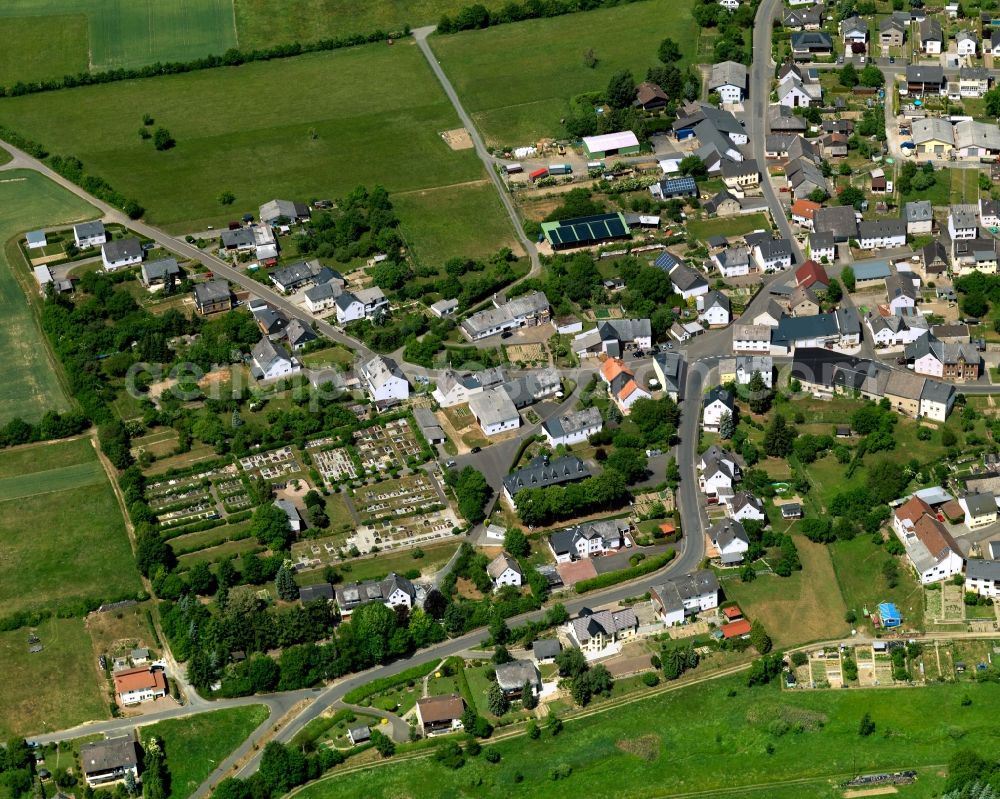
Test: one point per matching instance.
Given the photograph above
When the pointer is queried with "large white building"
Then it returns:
(573, 427)
(929, 546)
(384, 381)
(687, 595)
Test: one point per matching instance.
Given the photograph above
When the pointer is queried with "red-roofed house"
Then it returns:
(803, 212)
(738, 629)
(908, 514)
(140, 685)
(622, 387)
(812, 275)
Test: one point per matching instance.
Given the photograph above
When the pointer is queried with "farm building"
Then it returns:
(622, 143)
(584, 231)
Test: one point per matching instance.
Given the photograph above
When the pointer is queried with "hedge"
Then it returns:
(385, 683)
(613, 578)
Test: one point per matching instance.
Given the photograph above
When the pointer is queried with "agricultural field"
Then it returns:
(195, 745)
(31, 385)
(49, 690)
(51, 38)
(517, 91)
(82, 551)
(379, 122)
(603, 757)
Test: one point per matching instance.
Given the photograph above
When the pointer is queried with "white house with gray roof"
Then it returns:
(360, 304)
(588, 539)
(919, 216)
(271, 361)
(393, 592)
(155, 274)
(675, 599)
(528, 309)
(384, 381)
(729, 80)
(594, 632)
(730, 540)
(504, 570)
(121, 253)
(495, 412)
(89, 234)
(573, 427)
(983, 577)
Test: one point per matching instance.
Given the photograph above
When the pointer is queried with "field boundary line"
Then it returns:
(480, 182)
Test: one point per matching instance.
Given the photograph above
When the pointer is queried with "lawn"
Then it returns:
(53, 38)
(378, 122)
(858, 564)
(30, 386)
(517, 88)
(443, 223)
(80, 550)
(964, 185)
(399, 562)
(806, 606)
(622, 753)
(939, 193)
(50, 690)
(702, 229)
(194, 746)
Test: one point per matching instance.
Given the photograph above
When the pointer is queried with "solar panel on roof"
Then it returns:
(616, 227)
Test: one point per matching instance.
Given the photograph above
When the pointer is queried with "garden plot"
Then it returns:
(384, 446)
(333, 464)
(645, 502)
(272, 465)
(953, 603)
(883, 670)
(933, 603)
(865, 659)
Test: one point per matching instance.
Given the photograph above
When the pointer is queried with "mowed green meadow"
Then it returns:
(707, 740)
(30, 385)
(49, 690)
(51, 38)
(194, 746)
(516, 80)
(300, 128)
(62, 536)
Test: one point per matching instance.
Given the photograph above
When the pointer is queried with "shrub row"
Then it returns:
(385, 683)
(623, 576)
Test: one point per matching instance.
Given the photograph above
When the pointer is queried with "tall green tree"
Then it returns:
(668, 52)
(621, 89)
(497, 702)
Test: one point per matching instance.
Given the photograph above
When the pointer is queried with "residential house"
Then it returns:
(792, 94)
(930, 36)
(803, 212)
(840, 221)
(989, 212)
(934, 260)
(650, 97)
(958, 362)
(715, 405)
(454, 388)
(966, 43)
(974, 255)
(141, 684)
(933, 136)
(741, 177)
(316, 592)
(359, 734)
(773, 255)
(384, 381)
(572, 427)
(440, 714)
(881, 234)
(812, 275)
(982, 577)
(494, 411)
(901, 292)
(271, 361)
(751, 339)
(903, 390)
(730, 540)
(993, 46)
(295, 521)
(919, 216)
(360, 304)
(729, 81)
(294, 276)
(36, 240)
(936, 400)
(89, 234)
(271, 321)
(545, 650)
(781, 119)
(733, 262)
(741, 369)
(514, 675)
(443, 308)
(821, 246)
(834, 145)
(803, 302)
(669, 370)
(929, 546)
(120, 253)
(282, 212)
(622, 386)
(265, 245)
(687, 595)
(891, 32)
(980, 510)
(673, 188)
(323, 296)
(504, 570)
(110, 760)
(771, 315)
(722, 204)
(588, 540)
(718, 472)
(803, 19)
(298, 334)
(541, 472)
(854, 31)
(743, 505)
(157, 274)
(973, 81)
(687, 282)
(393, 592)
(596, 631)
(804, 177)
(715, 309)
(212, 296)
(528, 309)
(893, 330)
(613, 336)
(808, 44)
(238, 240)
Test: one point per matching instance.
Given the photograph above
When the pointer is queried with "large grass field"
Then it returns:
(30, 386)
(52, 689)
(701, 741)
(62, 538)
(517, 79)
(195, 746)
(51, 38)
(313, 126)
